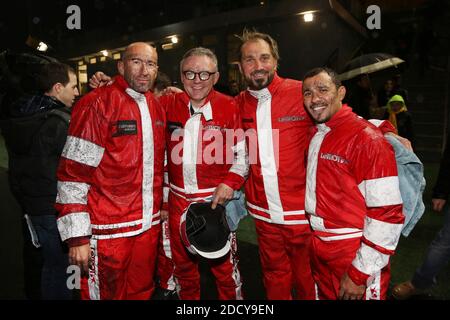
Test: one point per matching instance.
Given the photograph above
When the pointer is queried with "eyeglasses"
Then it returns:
(202, 75)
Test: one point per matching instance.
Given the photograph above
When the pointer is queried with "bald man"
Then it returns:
(110, 180)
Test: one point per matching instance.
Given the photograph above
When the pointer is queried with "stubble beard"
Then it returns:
(259, 84)
(139, 87)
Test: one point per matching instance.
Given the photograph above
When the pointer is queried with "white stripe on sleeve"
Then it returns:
(83, 151)
(76, 224)
(381, 233)
(369, 260)
(72, 192)
(381, 192)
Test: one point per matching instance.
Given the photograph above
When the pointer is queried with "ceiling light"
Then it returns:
(42, 46)
(167, 46)
(308, 17)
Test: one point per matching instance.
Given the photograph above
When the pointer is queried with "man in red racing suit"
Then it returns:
(276, 127)
(353, 198)
(206, 159)
(110, 181)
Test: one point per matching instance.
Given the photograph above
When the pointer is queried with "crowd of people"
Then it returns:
(109, 192)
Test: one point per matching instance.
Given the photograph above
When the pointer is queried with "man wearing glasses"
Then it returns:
(110, 181)
(200, 122)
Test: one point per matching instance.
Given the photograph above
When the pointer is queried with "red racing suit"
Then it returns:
(353, 203)
(276, 125)
(164, 265)
(202, 152)
(110, 182)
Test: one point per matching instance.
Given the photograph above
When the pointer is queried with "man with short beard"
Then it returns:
(110, 181)
(275, 189)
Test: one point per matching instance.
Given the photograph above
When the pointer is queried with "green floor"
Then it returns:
(411, 251)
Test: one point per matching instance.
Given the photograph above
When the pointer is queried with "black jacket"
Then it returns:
(359, 99)
(35, 135)
(441, 189)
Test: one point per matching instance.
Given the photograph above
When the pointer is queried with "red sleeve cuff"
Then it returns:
(234, 181)
(357, 276)
(77, 241)
(386, 127)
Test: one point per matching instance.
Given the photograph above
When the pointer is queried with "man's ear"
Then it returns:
(341, 93)
(240, 68)
(57, 88)
(120, 67)
(216, 77)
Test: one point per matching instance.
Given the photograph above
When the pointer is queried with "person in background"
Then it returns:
(385, 93)
(35, 133)
(361, 98)
(233, 88)
(398, 88)
(162, 82)
(400, 117)
(438, 253)
(353, 198)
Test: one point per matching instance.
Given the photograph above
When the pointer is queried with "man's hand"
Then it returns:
(172, 89)
(349, 290)
(164, 215)
(99, 79)
(80, 256)
(438, 204)
(221, 195)
(405, 142)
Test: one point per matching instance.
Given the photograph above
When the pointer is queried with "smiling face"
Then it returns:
(197, 89)
(321, 97)
(139, 66)
(258, 65)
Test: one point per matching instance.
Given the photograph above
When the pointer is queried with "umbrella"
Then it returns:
(369, 63)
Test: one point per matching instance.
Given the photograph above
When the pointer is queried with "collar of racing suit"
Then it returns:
(270, 89)
(205, 109)
(338, 118)
(123, 85)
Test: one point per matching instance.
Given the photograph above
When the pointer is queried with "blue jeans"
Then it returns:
(437, 256)
(54, 259)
